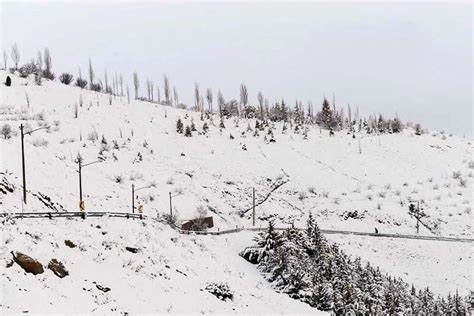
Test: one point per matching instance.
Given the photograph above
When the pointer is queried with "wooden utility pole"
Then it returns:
(418, 217)
(23, 162)
(133, 198)
(171, 208)
(80, 185)
(253, 207)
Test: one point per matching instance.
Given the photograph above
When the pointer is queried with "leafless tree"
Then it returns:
(260, 103)
(209, 98)
(15, 55)
(5, 59)
(40, 61)
(158, 95)
(91, 74)
(166, 88)
(121, 85)
(244, 97)
(48, 64)
(197, 97)
(128, 94)
(136, 84)
(175, 94)
(106, 80)
(220, 102)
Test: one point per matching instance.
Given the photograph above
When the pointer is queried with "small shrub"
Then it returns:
(382, 194)
(118, 179)
(93, 136)
(40, 142)
(302, 195)
(456, 175)
(97, 87)
(28, 69)
(65, 78)
(220, 290)
(81, 83)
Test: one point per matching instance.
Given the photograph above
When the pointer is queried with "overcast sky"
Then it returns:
(410, 59)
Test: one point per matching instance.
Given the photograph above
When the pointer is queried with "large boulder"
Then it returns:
(27, 263)
(58, 268)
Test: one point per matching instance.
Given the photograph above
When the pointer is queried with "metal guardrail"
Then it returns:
(84, 215)
(71, 214)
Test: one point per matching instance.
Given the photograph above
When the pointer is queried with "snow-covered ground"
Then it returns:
(167, 275)
(377, 175)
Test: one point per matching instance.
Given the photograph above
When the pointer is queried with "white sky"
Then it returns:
(410, 59)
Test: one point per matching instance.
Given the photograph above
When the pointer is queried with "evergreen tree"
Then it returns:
(188, 132)
(179, 126)
(325, 117)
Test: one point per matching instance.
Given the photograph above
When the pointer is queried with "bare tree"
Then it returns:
(48, 64)
(106, 81)
(136, 84)
(121, 85)
(166, 88)
(40, 61)
(197, 97)
(128, 94)
(15, 55)
(220, 102)
(5, 59)
(260, 103)
(244, 97)
(158, 95)
(91, 74)
(175, 94)
(209, 98)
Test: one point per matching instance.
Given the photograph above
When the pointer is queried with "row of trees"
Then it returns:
(329, 116)
(308, 268)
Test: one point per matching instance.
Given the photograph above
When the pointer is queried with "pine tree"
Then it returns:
(326, 116)
(187, 132)
(205, 128)
(179, 126)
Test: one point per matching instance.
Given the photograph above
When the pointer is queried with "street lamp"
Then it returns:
(79, 161)
(23, 133)
(135, 190)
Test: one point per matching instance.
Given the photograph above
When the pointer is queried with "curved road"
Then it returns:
(230, 231)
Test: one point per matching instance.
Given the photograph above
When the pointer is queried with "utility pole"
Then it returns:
(171, 208)
(80, 185)
(23, 162)
(22, 132)
(418, 217)
(79, 161)
(133, 198)
(253, 207)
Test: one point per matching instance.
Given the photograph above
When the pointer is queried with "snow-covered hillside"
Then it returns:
(214, 172)
(168, 274)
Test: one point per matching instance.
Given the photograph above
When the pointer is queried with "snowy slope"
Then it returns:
(377, 175)
(168, 274)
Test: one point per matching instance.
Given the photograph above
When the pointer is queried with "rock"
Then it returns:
(69, 243)
(132, 249)
(8, 82)
(58, 268)
(27, 263)
(9, 263)
(103, 288)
